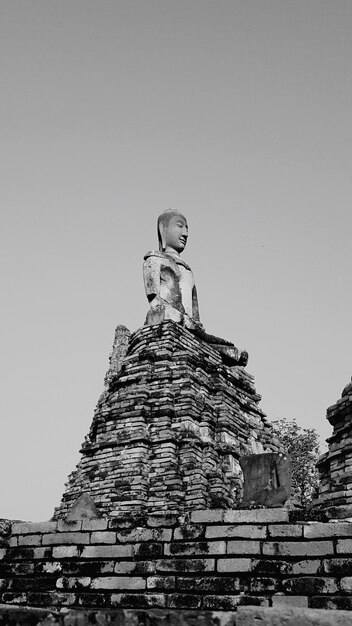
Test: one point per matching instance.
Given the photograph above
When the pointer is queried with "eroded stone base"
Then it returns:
(245, 616)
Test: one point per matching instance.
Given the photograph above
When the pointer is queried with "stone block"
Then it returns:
(341, 603)
(42, 553)
(49, 567)
(255, 516)
(189, 532)
(209, 584)
(185, 565)
(263, 585)
(298, 548)
(34, 583)
(221, 603)
(269, 567)
(2, 553)
(148, 551)
(119, 582)
(12, 542)
(5, 527)
(65, 538)
(315, 530)
(311, 566)
(287, 531)
(91, 600)
(267, 479)
(338, 567)
(234, 565)
(310, 585)
(60, 599)
(102, 537)
(161, 582)
(138, 601)
(243, 547)
(83, 508)
(65, 552)
(346, 584)
(162, 520)
(29, 540)
(10, 597)
(202, 548)
(344, 546)
(144, 534)
(107, 552)
(240, 530)
(21, 553)
(82, 582)
(144, 568)
(339, 512)
(183, 601)
(279, 600)
(31, 528)
(125, 567)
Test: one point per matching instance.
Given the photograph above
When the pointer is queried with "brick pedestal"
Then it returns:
(168, 432)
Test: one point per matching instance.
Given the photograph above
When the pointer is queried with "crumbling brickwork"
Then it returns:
(169, 430)
(210, 560)
(335, 466)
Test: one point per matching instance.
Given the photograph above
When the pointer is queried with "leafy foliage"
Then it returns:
(302, 444)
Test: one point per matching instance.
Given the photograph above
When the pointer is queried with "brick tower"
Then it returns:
(335, 466)
(170, 428)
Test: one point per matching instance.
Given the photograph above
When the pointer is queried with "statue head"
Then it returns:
(172, 230)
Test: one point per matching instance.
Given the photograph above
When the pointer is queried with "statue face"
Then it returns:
(176, 233)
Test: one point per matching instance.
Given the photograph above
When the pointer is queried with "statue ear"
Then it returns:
(162, 238)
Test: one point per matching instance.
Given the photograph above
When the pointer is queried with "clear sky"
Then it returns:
(238, 113)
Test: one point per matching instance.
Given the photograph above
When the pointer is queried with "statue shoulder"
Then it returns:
(155, 256)
(154, 253)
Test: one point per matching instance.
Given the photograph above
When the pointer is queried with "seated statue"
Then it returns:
(170, 286)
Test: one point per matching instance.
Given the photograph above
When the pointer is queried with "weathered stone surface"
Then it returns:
(245, 616)
(256, 516)
(290, 616)
(83, 508)
(30, 528)
(267, 479)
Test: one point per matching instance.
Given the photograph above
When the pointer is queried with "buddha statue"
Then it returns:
(168, 280)
(170, 286)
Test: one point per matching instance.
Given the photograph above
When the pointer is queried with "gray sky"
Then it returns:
(236, 112)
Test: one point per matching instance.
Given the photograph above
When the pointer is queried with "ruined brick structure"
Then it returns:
(170, 428)
(165, 530)
(208, 560)
(335, 466)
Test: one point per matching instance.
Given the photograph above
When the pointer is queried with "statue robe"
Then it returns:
(170, 289)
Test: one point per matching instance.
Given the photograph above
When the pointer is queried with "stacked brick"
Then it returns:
(209, 560)
(169, 430)
(335, 466)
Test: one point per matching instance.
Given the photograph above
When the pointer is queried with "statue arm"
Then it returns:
(151, 275)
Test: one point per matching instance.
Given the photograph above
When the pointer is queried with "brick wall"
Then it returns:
(210, 559)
